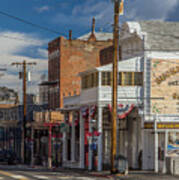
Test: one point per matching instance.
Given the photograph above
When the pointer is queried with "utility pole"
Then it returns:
(114, 85)
(24, 65)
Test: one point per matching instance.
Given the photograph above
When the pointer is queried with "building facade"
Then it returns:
(148, 125)
(68, 57)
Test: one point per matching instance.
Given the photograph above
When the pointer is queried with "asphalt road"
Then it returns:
(27, 173)
(13, 172)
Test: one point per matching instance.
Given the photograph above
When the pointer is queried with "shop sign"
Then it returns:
(150, 125)
(168, 125)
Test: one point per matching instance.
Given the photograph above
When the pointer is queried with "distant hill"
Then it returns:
(8, 96)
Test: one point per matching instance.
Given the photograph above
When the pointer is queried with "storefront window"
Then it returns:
(173, 144)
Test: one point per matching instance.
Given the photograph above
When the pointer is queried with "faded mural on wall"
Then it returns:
(164, 86)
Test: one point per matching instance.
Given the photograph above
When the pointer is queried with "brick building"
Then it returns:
(68, 57)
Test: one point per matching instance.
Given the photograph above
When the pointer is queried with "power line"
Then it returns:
(29, 23)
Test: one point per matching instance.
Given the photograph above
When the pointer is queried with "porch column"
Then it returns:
(100, 139)
(73, 138)
(82, 144)
(65, 138)
(165, 152)
(155, 146)
(90, 151)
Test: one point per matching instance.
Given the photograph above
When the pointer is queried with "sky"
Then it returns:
(20, 41)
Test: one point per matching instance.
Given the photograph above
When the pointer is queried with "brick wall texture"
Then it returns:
(74, 56)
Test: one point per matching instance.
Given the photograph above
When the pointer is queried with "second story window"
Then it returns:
(90, 80)
(106, 78)
(127, 78)
(124, 79)
(138, 78)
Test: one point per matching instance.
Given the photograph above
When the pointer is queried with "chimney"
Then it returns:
(93, 26)
(70, 35)
(92, 37)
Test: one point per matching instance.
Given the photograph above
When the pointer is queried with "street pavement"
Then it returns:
(39, 173)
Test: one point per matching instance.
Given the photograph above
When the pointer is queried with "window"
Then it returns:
(84, 82)
(130, 79)
(120, 78)
(138, 79)
(96, 79)
(90, 80)
(106, 78)
(127, 78)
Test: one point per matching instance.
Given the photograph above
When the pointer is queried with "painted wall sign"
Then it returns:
(165, 84)
(173, 83)
(170, 72)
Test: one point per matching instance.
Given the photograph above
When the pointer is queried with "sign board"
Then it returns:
(150, 125)
(164, 84)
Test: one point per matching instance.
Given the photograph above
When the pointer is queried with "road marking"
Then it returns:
(65, 177)
(13, 175)
(1, 178)
(41, 177)
(85, 178)
(19, 177)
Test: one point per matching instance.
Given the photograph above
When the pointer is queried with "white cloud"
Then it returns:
(42, 9)
(42, 52)
(12, 44)
(82, 14)
(153, 9)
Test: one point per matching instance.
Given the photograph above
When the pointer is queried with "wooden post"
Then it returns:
(114, 85)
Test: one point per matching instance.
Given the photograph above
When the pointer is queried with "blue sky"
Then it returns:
(60, 16)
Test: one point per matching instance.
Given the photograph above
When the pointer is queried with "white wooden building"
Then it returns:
(148, 82)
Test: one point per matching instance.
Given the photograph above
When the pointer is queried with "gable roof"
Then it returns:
(161, 35)
(130, 65)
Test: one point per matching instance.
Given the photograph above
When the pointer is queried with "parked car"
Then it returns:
(8, 157)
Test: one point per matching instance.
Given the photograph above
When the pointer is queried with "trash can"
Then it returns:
(121, 164)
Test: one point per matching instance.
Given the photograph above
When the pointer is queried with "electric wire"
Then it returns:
(29, 23)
